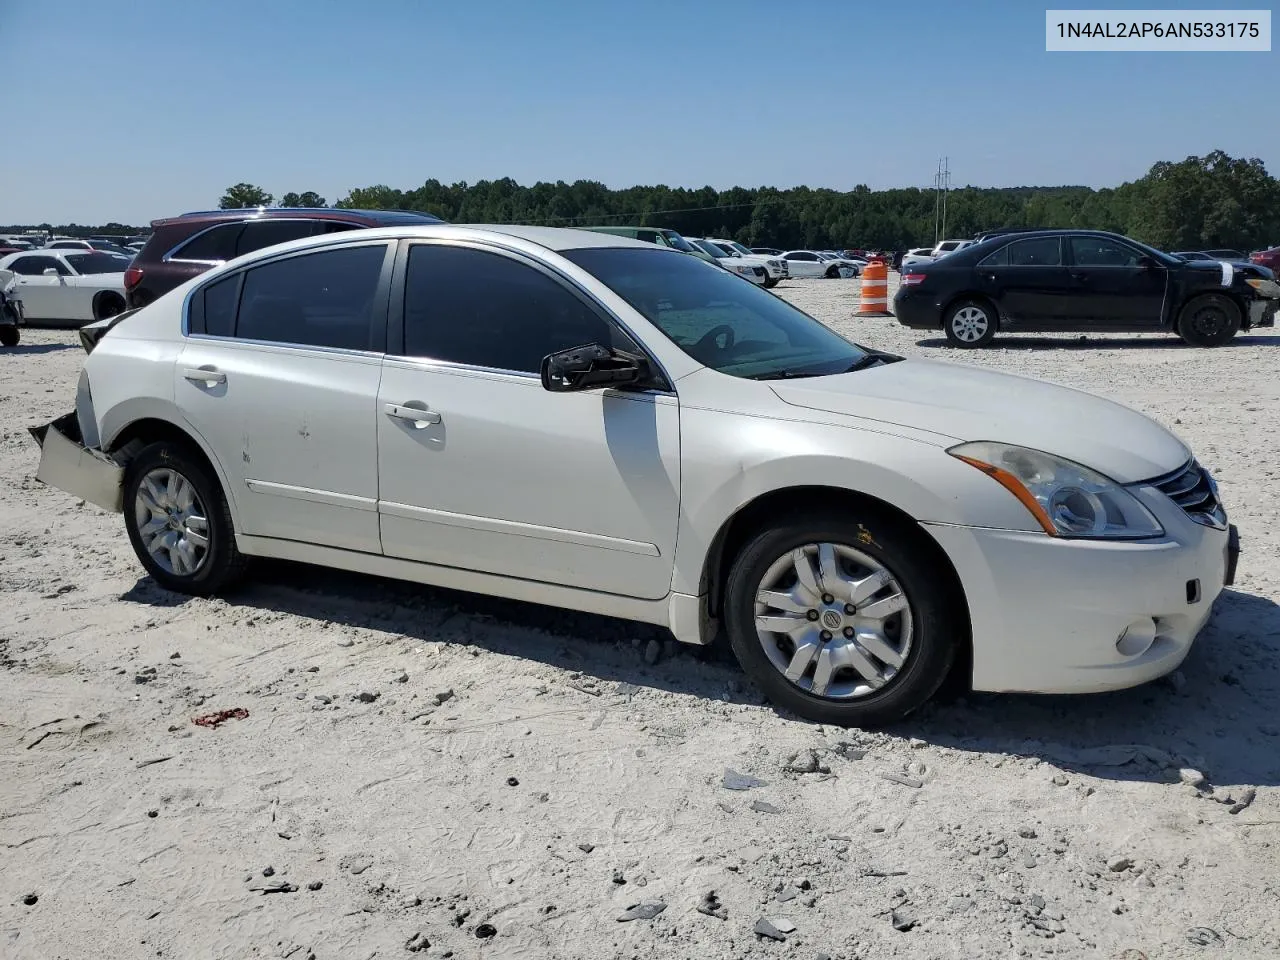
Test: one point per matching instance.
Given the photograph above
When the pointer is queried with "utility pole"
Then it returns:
(946, 188)
(937, 203)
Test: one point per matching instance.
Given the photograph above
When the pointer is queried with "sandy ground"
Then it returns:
(432, 772)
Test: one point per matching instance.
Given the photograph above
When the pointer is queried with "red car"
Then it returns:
(1267, 258)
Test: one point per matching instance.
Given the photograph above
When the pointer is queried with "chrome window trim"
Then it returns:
(493, 246)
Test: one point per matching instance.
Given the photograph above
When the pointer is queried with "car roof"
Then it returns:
(381, 217)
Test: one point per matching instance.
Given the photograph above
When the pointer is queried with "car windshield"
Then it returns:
(708, 247)
(742, 251)
(97, 262)
(721, 320)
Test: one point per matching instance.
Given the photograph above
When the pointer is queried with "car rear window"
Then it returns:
(216, 245)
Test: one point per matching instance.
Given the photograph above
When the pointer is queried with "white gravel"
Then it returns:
(559, 762)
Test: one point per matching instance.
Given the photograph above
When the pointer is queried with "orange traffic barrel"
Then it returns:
(875, 291)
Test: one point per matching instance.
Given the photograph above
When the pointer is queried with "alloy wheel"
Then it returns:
(970, 324)
(833, 621)
(173, 524)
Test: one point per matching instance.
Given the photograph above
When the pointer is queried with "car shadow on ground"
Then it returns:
(34, 348)
(1217, 714)
(1099, 342)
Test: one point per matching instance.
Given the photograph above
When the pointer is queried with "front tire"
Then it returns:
(179, 522)
(833, 274)
(770, 283)
(9, 336)
(842, 621)
(970, 324)
(1209, 321)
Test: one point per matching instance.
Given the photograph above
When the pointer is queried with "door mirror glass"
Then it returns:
(1146, 263)
(591, 365)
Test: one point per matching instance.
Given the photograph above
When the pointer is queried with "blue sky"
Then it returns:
(134, 111)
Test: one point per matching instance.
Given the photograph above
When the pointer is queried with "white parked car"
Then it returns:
(917, 255)
(775, 267)
(809, 263)
(105, 246)
(68, 284)
(613, 427)
(751, 269)
(949, 246)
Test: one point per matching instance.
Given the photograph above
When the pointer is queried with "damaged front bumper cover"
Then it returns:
(66, 463)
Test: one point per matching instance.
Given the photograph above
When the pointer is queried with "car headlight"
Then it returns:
(776, 264)
(1268, 288)
(1067, 499)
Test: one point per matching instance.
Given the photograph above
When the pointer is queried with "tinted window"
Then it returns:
(802, 256)
(1100, 252)
(487, 310)
(998, 259)
(717, 318)
(218, 301)
(214, 245)
(321, 299)
(1041, 252)
(98, 262)
(35, 266)
(267, 233)
(67, 245)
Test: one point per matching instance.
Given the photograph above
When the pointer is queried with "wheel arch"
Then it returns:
(751, 516)
(152, 426)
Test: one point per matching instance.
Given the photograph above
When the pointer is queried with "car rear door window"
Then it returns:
(998, 259)
(488, 310)
(216, 245)
(322, 299)
(1040, 252)
(213, 308)
(1101, 252)
(267, 233)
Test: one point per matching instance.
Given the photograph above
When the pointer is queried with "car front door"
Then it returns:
(42, 296)
(1114, 285)
(279, 375)
(480, 468)
(1028, 283)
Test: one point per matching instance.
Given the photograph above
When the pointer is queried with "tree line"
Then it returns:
(1197, 203)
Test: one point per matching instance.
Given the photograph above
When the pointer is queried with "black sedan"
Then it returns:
(1082, 281)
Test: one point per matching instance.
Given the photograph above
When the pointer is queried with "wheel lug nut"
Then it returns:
(826, 635)
(828, 598)
(848, 631)
(850, 608)
(812, 614)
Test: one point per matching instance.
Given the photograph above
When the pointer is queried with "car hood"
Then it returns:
(962, 403)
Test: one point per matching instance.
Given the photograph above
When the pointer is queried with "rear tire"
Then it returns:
(9, 336)
(969, 324)
(179, 522)
(107, 305)
(1209, 321)
(918, 630)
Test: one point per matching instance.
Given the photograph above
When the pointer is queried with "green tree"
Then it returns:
(308, 198)
(244, 195)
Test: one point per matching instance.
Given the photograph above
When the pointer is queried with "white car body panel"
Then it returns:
(61, 297)
(817, 267)
(612, 502)
(577, 489)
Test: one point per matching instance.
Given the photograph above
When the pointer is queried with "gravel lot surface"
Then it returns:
(429, 772)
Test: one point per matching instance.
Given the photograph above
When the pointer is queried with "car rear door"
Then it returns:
(480, 468)
(1114, 285)
(279, 374)
(1028, 282)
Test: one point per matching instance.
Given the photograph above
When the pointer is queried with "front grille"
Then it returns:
(1191, 488)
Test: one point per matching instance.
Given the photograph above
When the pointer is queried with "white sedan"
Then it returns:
(751, 268)
(809, 263)
(67, 284)
(618, 428)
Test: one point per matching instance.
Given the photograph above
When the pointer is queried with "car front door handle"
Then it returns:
(1079, 276)
(204, 375)
(418, 416)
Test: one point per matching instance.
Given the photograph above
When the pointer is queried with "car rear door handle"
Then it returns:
(1079, 276)
(204, 375)
(419, 416)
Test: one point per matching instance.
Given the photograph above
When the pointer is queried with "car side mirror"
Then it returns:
(49, 272)
(1146, 263)
(591, 365)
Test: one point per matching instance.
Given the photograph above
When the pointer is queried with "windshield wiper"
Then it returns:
(870, 360)
(786, 375)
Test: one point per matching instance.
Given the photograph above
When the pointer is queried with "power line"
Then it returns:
(654, 213)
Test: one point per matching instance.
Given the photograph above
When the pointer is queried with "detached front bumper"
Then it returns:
(66, 463)
(1074, 616)
(1262, 313)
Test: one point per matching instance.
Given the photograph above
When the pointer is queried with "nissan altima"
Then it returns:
(579, 419)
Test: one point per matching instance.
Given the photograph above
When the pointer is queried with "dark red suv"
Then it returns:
(184, 247)
(1267, 258)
